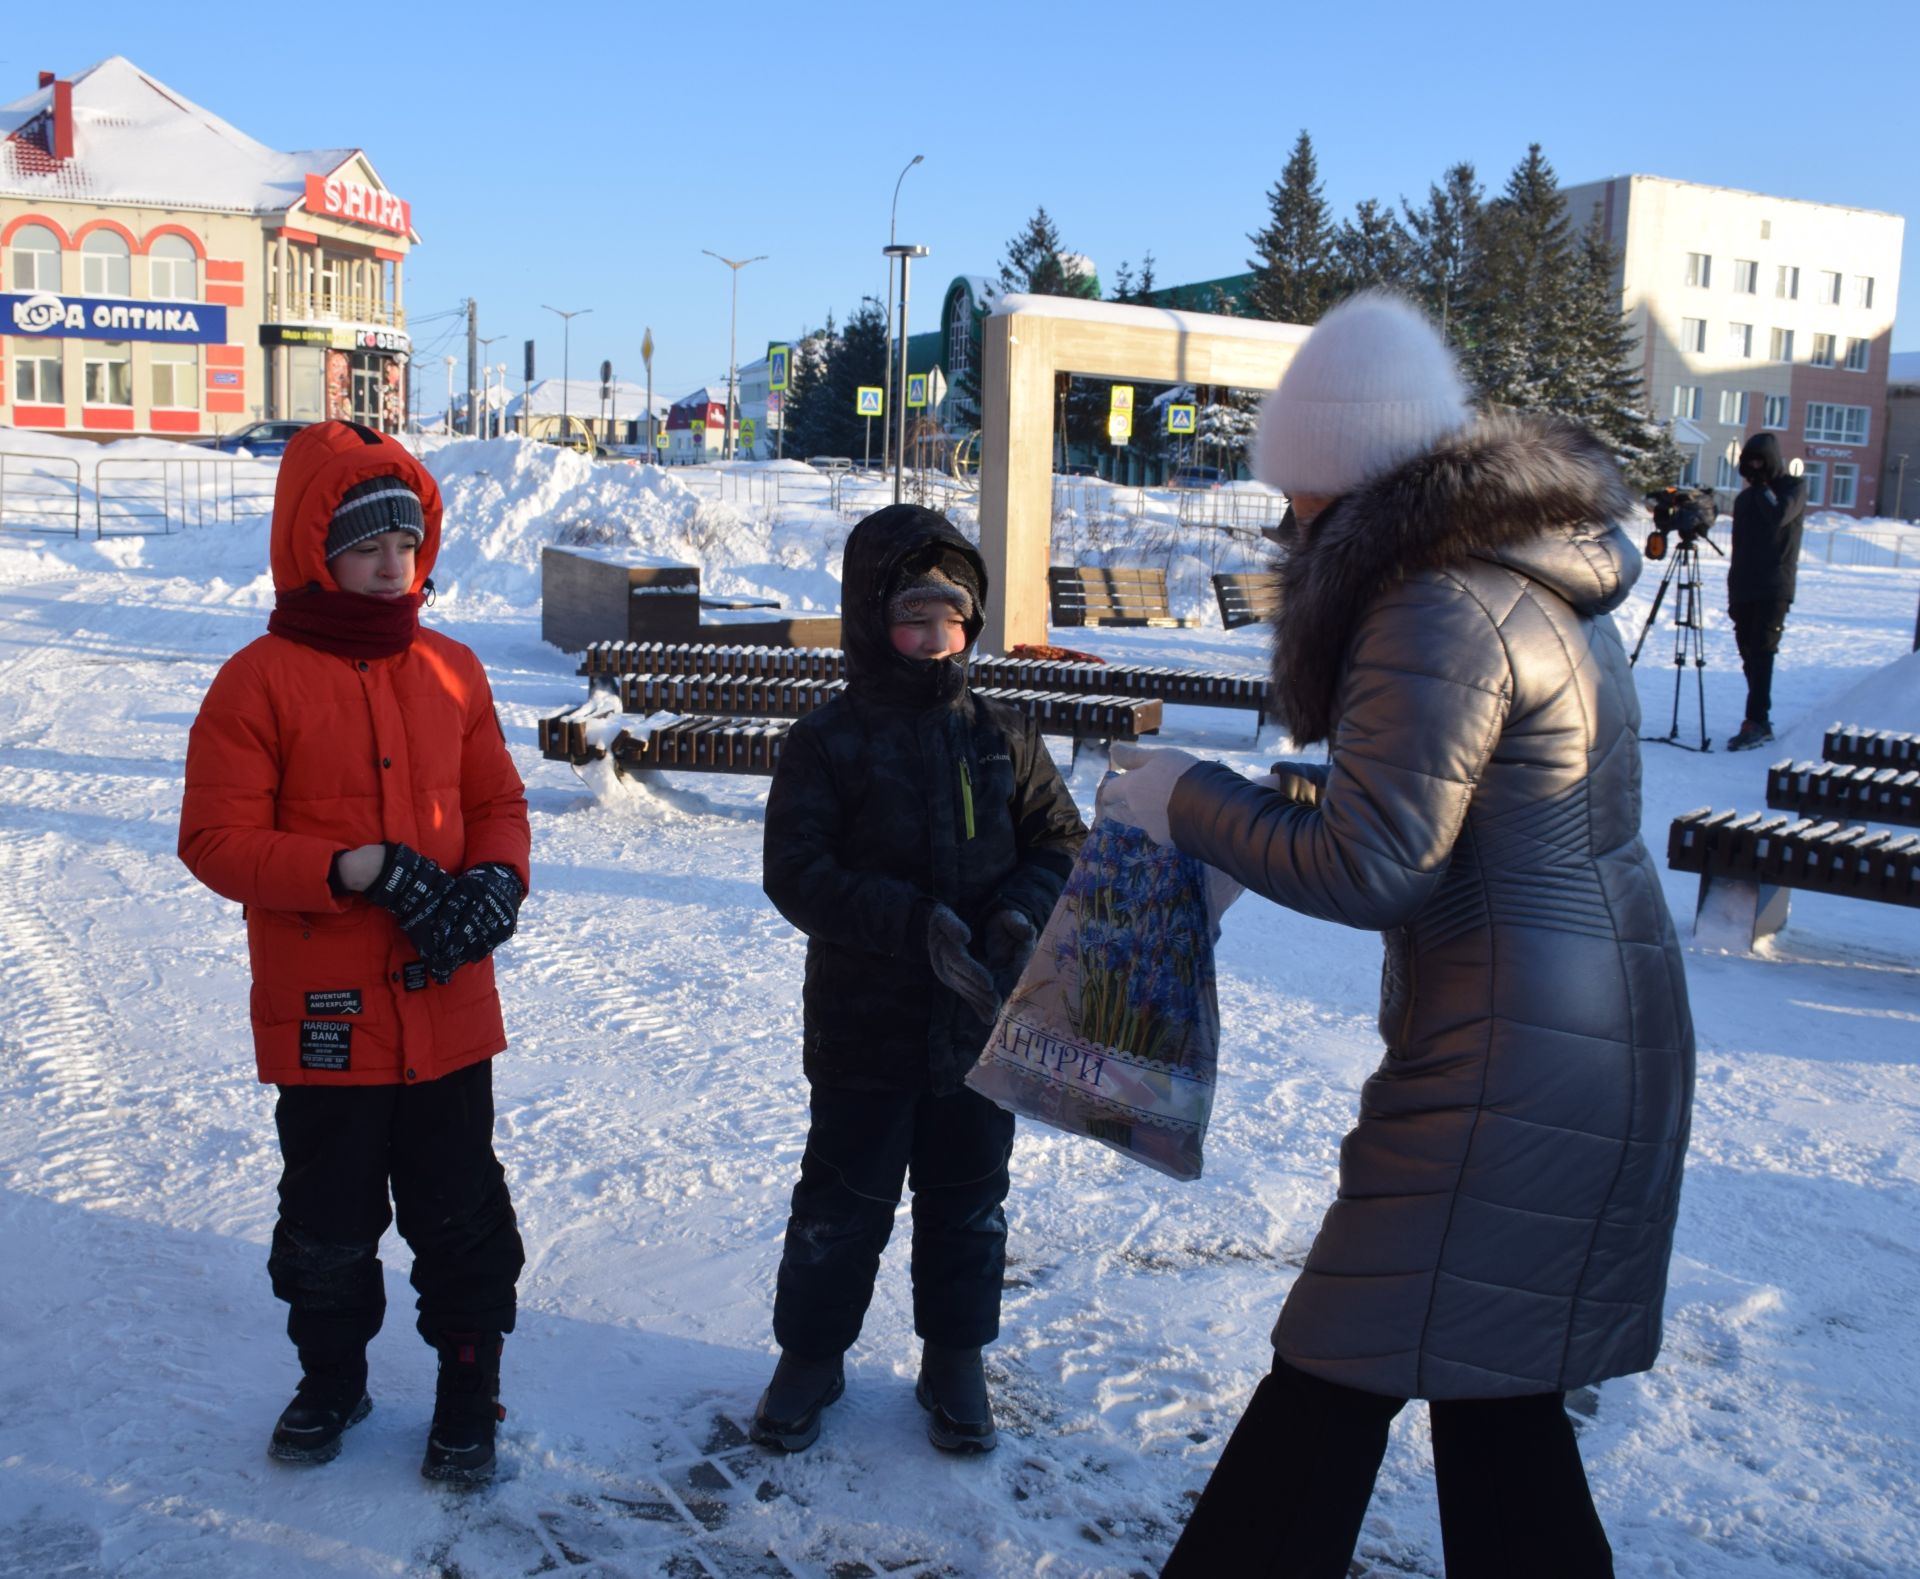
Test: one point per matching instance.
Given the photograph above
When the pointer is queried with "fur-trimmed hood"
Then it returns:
(1539, 495)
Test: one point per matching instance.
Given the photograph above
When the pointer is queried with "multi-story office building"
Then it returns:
(161, 272)
(1758, 313)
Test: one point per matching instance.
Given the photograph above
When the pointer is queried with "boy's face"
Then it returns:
(939, 633)
(381, 567)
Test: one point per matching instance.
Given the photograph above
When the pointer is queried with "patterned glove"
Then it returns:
(410, 885)
(478, 916)
(947, 939)
(1008, 946)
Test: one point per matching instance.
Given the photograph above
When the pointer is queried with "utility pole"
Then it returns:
(733, 320)
(473, 363)
(566, 361)
(646, 355)
(893, 217)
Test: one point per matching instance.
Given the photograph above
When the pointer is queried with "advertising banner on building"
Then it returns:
(55, 317)
(338, 198)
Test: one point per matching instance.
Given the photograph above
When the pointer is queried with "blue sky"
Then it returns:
(583, 156)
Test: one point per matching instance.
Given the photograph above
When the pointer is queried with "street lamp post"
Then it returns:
(485, 428)
(566, 359)
(906, 255)
(449, 397)
(733, 318)
(893, 216)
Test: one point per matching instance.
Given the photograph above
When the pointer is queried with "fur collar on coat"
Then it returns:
(1494, 491)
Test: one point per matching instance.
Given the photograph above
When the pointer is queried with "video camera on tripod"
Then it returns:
(1688, 513)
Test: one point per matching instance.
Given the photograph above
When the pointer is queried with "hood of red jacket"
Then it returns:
(320, 464)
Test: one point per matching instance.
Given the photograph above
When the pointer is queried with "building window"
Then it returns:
(1786, 283)
(1857, 353)
(1746, 276)
(1693, 334)
(1775, 415)
(33, 263)
(38, 381)
(106, 265)
(1699, 268)
(1686, 400)
(1863, 290)
(959, 339)
(1831, 424)
(1727, 474)
(1766, 230)
(1829, 288)
(176, 378)
(1689, 468)
(1780, 347)
(1733, 407)
(1846, 486)
(1816, 475)
(109, 372)
(1740, 341)
(1822, 351)
(173, 272)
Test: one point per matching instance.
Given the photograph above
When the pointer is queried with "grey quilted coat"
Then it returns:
(1507, 1199)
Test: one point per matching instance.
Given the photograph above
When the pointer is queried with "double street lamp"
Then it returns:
(566, 351)
(733, 319)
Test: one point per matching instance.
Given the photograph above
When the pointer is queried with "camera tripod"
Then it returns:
(1683, 575)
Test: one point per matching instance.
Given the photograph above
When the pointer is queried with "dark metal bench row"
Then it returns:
(1190, 687)
(1833, 789)
(1879, 748)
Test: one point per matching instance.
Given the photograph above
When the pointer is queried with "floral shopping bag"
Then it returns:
(1114, 1028)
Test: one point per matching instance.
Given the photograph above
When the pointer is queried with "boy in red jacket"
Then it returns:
(347, 782)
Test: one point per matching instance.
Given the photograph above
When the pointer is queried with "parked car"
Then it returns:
(1080, 469)
(256, 438)
(1196, 477)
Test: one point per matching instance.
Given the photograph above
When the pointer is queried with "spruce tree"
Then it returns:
(1038, 264)
(857, 356)
(804, 411)
(1441, 241)
(1293, 264)
(1516, 313)
(1598, 384)
(1370, 249)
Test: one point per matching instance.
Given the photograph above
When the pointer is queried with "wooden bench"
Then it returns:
(1768, 857)
(1246, 597)
(1108, 595)
(1876, 748)
(1833, 789)
(1189, 687)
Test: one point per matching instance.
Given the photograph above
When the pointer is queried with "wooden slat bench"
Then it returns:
(1832, 789)
(1774, 855)
(1108, 595)
(1246, 597)
(1189, 687)
(1876, 748)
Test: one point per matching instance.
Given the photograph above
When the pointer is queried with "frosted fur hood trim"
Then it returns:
(1539, 495)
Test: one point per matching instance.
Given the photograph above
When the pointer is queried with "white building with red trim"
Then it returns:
(163, 273)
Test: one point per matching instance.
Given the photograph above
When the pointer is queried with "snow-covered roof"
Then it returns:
(137, 141)
(714, 394)
(581, 397)
(1159, 317)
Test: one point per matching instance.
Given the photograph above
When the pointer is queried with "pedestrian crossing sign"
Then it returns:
(778, 359)
(747, 430)
(1122, 398)
(869, 401)
(916, 389)
(1180, 419)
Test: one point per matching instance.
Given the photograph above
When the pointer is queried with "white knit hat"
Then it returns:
(1374, 385)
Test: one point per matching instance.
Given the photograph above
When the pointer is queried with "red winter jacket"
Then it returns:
(297, 754)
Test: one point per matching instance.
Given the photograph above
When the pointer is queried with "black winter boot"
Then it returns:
(953, 1390)
(466, 1408)
(325, 1404)
(788, 1415)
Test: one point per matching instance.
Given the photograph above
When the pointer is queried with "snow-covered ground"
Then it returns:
(652, 1114)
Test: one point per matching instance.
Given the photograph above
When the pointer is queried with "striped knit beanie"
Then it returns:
(380, 504)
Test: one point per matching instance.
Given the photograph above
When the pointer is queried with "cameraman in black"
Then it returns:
(1768, 517)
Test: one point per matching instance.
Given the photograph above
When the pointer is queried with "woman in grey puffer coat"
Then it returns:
(1507, 1200)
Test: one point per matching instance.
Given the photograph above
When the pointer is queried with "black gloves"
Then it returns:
(452, 921)
(1008, 945)
(947, 939)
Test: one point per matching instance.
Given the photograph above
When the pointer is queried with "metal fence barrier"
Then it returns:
(50, 493)
(39, 493)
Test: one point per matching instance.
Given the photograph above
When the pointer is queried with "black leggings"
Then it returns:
(1292, 1487)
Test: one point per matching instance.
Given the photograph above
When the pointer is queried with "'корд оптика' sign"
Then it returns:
(55, 317)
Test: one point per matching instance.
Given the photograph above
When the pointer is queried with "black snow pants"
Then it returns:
(860, 1147)
(1757, 629)
(1287, 1498)
(342, 1148)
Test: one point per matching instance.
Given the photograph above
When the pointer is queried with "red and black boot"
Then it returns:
(466, 1409)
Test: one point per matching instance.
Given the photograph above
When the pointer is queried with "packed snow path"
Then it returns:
(651, 1115)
